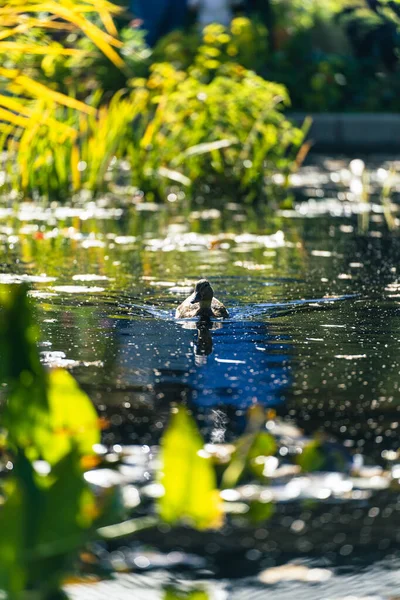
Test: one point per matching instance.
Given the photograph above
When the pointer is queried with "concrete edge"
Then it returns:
(344, 132)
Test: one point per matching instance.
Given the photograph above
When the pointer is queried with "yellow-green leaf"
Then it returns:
(312, 458)
(73, 418)
(45, 93)
(173, 594)
(188, 477)
(12, 537)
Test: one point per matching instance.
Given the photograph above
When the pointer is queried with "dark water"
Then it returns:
(314, 329)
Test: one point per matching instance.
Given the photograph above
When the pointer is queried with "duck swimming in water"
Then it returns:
(201, 303)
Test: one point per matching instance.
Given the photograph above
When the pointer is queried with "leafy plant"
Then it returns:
(19, 19)
(374, 30)
(91, 69)
(48, 141)
(254, 444)
(55, 162)
(244, 42)
(337, 55)
(188, 478)
(50, 426)
(171, 593)
(57, 144)
(185, 134)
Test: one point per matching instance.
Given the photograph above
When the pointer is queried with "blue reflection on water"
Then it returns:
(248, 364)
(222, 363)
(238, 361)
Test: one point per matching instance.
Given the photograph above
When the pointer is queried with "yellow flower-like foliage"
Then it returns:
(216, 122)
(245, 40)
(33, 122)
(213, 122)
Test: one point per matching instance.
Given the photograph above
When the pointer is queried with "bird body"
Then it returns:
(201, 303)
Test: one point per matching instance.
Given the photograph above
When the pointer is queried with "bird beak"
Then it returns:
(197, 298)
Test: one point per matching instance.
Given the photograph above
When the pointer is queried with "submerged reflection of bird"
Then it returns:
(203, 344)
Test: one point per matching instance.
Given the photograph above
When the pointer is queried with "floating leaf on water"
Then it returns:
(105, 478)
(292, 572)
(59, 360)
(124, 240)
(147, 207)
(39, 294)
(205, 215)
(376, 482)
(77, 289)
(346, 228)
(93, 244)
(221, 453)
(9, 278)
(232, 361)
(250, 266)
(163, 284)
(350, 356)
(89, 277)
(275, 240)
(322, 253)
(181, 289)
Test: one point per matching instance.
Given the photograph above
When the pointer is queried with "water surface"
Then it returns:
(314, 327)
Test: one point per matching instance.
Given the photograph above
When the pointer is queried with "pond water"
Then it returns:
(313, 333)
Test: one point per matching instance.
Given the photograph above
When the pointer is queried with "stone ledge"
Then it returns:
(369, 132)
